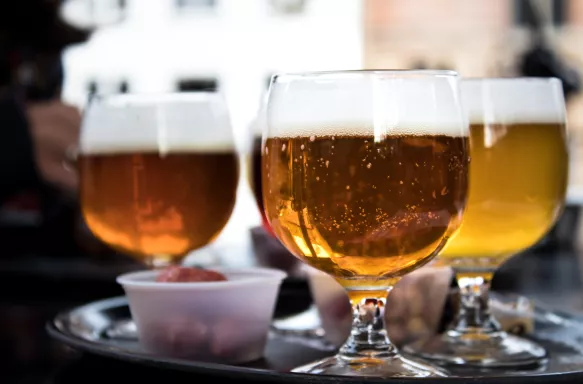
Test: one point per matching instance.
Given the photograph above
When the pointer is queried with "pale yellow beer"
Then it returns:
(518, 172)
(518, 181)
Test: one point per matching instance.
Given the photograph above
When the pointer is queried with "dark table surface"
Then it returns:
(553, 278)
(35, 287)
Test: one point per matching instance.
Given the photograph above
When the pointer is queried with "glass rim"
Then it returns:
(347, 73)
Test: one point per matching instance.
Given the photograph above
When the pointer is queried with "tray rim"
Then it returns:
(54, 329)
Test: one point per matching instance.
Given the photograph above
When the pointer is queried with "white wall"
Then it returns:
(241, 42)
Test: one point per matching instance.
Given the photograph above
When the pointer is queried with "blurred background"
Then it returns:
(233, 47)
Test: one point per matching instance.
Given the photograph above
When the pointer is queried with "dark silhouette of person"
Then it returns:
(39, 131)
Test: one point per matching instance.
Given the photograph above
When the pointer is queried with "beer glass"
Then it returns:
(365, 178)
(518, 182)
(158, 173)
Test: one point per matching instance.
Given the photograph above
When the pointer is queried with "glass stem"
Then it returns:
(474, 315)
(368, 337)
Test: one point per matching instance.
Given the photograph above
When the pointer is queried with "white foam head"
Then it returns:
(181, 122)
(513, 100)
(367, 103)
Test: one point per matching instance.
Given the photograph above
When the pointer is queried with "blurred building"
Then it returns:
(476, 38)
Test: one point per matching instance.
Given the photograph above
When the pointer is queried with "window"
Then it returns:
(418, 64)
(197, 85)
(92, 87)
(93, 14)
(556, 9)
(287, 7)
(124, 87)
(193, 4)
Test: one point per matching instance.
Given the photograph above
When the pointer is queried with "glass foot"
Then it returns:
(395, 366)
(500, 350)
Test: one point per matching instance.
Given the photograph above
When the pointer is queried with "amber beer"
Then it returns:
(518, 181)
(353, 206)
(255, 173)
(159, 206)
(254, 161)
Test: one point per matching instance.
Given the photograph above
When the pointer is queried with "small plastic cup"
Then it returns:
(221, 322)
